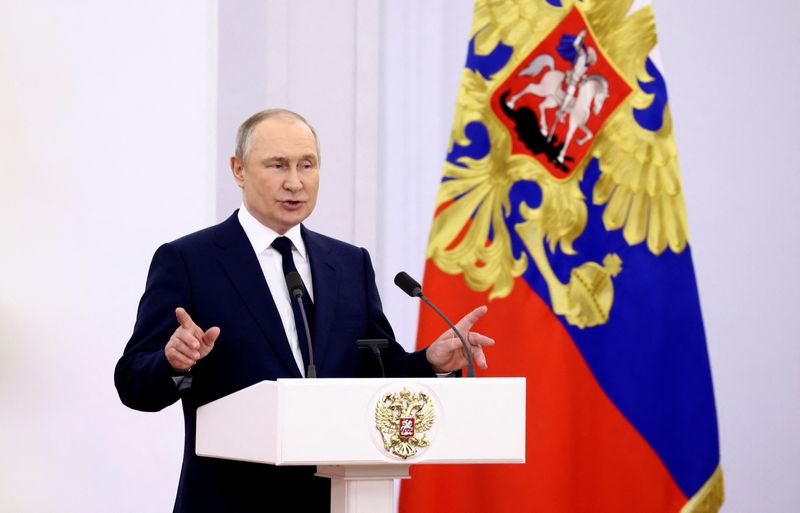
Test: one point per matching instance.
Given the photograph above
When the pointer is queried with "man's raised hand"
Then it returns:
(189, 343)
(446, 353)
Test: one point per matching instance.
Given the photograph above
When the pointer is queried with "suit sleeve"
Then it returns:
(398, 362)
(143, 376)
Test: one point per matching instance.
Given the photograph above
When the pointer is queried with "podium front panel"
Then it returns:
(332, 422)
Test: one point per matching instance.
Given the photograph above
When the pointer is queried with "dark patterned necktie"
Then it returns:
(284, 246)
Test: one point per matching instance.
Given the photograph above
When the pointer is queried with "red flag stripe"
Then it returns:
(582, 454)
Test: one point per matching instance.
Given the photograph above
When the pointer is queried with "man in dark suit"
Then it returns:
(216, 316)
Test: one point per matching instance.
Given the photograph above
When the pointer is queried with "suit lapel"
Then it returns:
(241, 266)
(326, 290)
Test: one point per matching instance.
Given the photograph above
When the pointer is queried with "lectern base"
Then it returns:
(363, 488)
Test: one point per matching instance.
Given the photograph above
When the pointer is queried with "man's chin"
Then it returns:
(293, 219)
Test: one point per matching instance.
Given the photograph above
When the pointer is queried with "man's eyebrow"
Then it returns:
(276, 158)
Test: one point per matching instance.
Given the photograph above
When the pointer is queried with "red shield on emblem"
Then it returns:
(406, 427)
(559, 97)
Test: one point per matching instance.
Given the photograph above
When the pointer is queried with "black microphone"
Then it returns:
(296, 288)
(412, 287)
(408, 284)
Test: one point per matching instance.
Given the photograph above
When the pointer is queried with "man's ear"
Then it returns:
(238, 171)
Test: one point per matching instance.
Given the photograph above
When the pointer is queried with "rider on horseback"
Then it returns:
(572, 48)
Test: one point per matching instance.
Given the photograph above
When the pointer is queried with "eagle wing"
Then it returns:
(384, 417)
(425, 416)
(640, 183)
(640, 186)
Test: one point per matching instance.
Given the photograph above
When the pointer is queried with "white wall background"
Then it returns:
(116, 120)
(107, 149)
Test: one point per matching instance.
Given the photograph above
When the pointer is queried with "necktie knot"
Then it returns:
(283, 245)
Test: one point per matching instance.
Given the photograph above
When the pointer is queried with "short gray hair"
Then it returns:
(244, 136)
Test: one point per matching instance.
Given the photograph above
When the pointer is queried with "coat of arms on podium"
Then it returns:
(403, 419)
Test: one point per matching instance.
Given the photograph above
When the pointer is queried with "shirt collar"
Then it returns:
(261, 236)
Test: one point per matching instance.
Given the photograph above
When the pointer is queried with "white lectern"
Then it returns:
(332, 423)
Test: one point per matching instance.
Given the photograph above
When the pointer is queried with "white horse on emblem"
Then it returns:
(592, 94)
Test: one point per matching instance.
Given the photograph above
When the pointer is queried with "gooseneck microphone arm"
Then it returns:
(375, 345)
(296, 289)
(411, 287)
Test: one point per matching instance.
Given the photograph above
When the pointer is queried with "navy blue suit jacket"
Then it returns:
(215, 275)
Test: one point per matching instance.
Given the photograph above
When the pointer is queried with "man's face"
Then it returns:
(280, 173)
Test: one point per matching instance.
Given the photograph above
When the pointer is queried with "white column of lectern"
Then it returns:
(331, 423)
(362, 488)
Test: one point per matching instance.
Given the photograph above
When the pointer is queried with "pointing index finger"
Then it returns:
(186, 321)
(471, 318)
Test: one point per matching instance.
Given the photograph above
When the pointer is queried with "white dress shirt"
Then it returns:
(261, 238)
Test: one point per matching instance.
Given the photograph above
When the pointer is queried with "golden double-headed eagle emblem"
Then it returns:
(583, 110)
(403, 419)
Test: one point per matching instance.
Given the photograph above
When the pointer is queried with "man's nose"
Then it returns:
(293, 182)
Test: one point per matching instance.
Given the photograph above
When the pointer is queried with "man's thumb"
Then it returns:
(210, 336)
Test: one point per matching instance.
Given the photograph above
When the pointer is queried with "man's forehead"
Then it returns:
(285, 133)
(281, 123)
